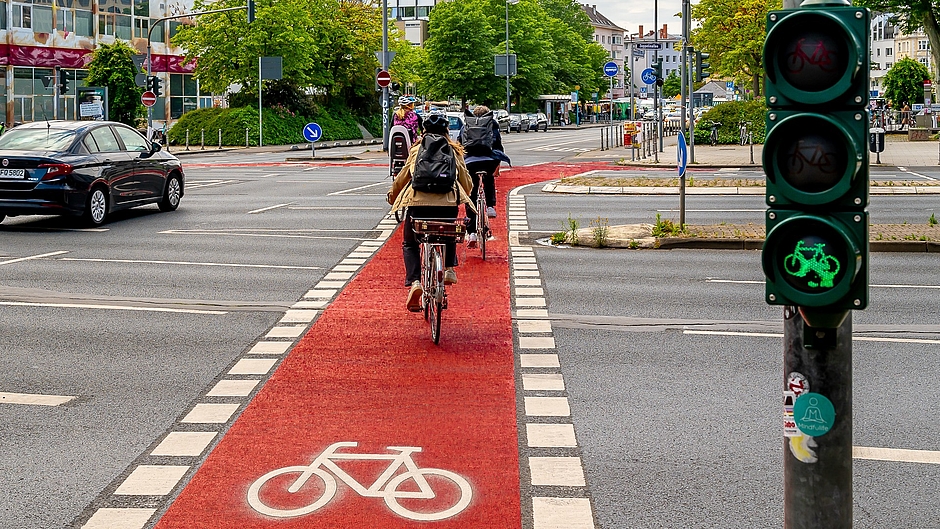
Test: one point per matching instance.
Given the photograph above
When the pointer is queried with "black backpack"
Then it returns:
(477, 137)
(436, 166)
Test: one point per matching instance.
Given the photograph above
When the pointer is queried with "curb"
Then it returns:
(714, 190)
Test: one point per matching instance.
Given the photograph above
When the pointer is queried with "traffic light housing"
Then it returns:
(63, 82)
(251, 11)
(155, 85)
(815, 253)
(701, 67)
(658, 68)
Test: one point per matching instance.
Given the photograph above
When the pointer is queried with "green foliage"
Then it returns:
(733, 32)
(599, 232)
(672, 84)
(904, 82)
(281, 126)
(729, 115)
(112, 65)
(932, 220)
(911, 16)
(666, 228)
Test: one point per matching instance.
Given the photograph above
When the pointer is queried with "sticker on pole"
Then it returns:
(312, 132)
(682, 154)
(814, 414)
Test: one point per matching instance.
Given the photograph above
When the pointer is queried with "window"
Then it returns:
(3, 15)
(407, 12)
(923, 60)
(133, 142)
(90, 144)
(424, 11)
(84, 23)
(888, 52)
(923, 44)
(105, 140)
(42, 19)
(22, 16)
(141, 27)
(878, 52)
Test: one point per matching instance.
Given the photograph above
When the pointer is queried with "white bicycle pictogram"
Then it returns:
(385, 486)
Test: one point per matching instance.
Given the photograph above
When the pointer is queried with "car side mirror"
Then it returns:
(155, 146)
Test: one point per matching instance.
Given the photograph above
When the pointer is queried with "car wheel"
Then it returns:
(172, 194)
(96, 210)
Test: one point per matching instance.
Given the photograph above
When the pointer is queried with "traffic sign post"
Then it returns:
(312, 133)
(682, 161)
(815, 254)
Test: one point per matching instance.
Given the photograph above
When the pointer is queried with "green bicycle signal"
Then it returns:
(824, 266)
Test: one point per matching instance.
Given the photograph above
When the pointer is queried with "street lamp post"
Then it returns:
(508, 72)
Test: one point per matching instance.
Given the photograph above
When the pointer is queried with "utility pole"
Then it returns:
(385, 102)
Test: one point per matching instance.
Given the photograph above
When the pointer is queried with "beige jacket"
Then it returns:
(402, 195)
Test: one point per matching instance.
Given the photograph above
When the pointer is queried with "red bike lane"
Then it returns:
(367, 372)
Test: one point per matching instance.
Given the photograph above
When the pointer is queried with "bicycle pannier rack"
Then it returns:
(457, 230)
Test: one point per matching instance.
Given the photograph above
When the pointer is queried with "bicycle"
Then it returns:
(819, 158)
(744, 129)
(824, 266)
(820, 57)
(433, 234)
(713, 137)
(483, 224)
(385, 486)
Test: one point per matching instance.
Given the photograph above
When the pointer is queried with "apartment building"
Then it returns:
(610, 36)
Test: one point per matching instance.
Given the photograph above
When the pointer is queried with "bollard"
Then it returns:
(246, 137)
(202, 139)
(220, 138)
(187, 139)
(602, 139)
(751, 138)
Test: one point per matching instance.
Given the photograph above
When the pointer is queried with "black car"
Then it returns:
(519, 122)
(538, 121)
(86, 168)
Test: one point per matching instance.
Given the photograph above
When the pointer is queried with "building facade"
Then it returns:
(645, 58)
(39, 36)
(882, 50)
(610, 36)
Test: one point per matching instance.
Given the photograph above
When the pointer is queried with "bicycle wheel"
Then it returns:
(425, 278)
(254, 492)
(482, 222)
(435, 300)
(392, 495)
(793, 264)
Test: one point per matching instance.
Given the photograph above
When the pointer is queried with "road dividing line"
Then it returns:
(110, 307)
(191, 263)
(34, 399)
(40, 256)
(896, 455)
(753, 282)
(269, 208)
(344, 191)
(780, 335)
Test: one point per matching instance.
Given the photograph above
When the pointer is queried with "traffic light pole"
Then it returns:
(817, 471)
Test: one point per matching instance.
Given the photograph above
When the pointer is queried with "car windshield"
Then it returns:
(455, 123)
(43, 139)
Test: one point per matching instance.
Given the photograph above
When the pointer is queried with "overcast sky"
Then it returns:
(630, 14)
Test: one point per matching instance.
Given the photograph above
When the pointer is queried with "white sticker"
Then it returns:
(797, 383)
(789, 424)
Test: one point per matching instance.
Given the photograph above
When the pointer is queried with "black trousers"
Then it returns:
(489, 188)
(411, 248)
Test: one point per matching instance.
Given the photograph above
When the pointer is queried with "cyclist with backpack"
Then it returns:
(432, 185)
(406, 116)
(483, 146)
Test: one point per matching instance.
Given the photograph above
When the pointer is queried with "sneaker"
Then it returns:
(450, 276)
(414, 297)
(471, 240)
(490, 211)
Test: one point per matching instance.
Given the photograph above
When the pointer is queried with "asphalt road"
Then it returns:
(136, 320)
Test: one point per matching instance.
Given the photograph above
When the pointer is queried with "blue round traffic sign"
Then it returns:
(312, 132)
(611, 69)
(648, 76)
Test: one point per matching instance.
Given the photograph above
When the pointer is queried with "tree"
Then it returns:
(914, 15)
(904, 82)
(733, 33)
(112, 65)
(672, 85)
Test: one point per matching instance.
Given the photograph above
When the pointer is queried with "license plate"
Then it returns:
(12, 173)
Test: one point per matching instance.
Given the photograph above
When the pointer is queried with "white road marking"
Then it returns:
(110, 307)
(274, 235)
(40, 256)
(344, 191)
(191, 263)
(714, 210)
(34, 399)
(269, 208)
(753, 282)
(925, 177)
(207, 183)
(897, 455)
(780, 335)
(355, 208)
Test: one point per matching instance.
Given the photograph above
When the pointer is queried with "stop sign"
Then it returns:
(148, 98)
(383, 78)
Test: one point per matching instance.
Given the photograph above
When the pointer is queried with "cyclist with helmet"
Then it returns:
(427, 205)
(482, 155)
(406, 116)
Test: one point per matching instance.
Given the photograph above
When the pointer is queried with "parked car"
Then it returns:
(538, 121)
(518, 122)
(456, 123)
(502, 119)
(86, 168)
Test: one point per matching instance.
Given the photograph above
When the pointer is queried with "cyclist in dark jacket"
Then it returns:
(487, 163)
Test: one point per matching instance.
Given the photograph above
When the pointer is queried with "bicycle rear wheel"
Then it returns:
(436, 299)
(482, 222)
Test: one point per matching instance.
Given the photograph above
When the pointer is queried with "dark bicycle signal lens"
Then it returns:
(815, 58)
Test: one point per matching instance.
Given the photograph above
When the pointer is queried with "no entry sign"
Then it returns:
(383, 78)
(148, 98)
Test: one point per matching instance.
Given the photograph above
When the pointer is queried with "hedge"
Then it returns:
(729, 115)
(281, 126)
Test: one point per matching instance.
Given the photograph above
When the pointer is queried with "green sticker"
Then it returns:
(814, 414)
